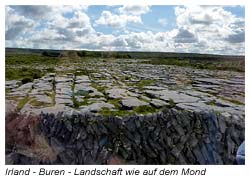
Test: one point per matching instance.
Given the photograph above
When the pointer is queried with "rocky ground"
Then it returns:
(107, 111)
(128, 87)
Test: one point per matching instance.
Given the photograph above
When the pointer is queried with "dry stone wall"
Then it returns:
(168, 137)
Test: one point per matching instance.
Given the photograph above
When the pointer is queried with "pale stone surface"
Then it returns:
(130, 102)
(95, 107)
(116, 93)
(158, 103)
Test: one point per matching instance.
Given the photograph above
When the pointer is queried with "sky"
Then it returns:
(191, 29)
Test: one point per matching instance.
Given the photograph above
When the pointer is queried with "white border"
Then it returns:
(216, 172)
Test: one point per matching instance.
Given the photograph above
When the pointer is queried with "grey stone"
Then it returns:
(177, 97)
(63, 79)
(82, 79)
(95, 107)
(116, 93)
(24, 87)
(130, 102)
(158, 103)
(154, 88)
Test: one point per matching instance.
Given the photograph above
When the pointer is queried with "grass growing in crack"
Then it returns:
(98, 87)
(145, 109)
(22, 102)
(211, 103)
(171, 103)
(145, 82)
(232, 101)
(39, 103)
(121, 113)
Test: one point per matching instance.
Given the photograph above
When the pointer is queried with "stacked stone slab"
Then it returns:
(170, 137)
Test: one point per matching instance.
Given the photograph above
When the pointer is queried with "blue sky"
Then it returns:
(196, 29)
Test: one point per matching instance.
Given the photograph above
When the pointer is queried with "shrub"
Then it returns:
(171, 103)
(26, 80)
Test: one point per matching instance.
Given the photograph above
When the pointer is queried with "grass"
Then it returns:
(171, 103)
(121, 113)
(229, 65)
(98, 87)
(30, 59)
(22, 102)
(39, 103)
(232, 101)
(145, 82)
(211, 103)
(145, 109)
(53, 97)
(25, 66)
(24, 74)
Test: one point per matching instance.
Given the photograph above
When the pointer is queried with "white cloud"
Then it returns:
(113, 20)
(185, 36)
(213, 26)
(203, 29)
(16, 25)
(163, 21)
(213, 20)
(134, 9)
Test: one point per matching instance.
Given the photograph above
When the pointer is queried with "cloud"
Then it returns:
(163, 21)
(202, 29)
(118, 21)
(236, 38)
(16, 25)
(184, 36)
(213, 26)
(134, 9)
(32, 12)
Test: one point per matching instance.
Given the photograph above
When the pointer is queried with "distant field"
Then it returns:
(30, 64)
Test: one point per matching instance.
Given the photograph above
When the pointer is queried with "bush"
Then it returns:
(26, 80)
(36, 76)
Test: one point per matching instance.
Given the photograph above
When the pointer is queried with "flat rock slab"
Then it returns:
(81, 88)
(25, 87)
(116, 93)
(95, 107)
(197, 107)
(43, 99)
(158, 103)
(63, 79)
(208, 81)
(43, 86)
(67, 102)
(53, 109)
(64, 91)
(131, 102)
(177, 97)
(201, 106)
(12, 84)
(63, 96)
(154, 88)
(82, 79)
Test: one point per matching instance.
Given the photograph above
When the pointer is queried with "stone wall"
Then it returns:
(170, 137)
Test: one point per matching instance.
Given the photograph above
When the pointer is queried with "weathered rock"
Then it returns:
(95, 107)
(130, 102)
(116, 93)
(158, 103)
(63, 79)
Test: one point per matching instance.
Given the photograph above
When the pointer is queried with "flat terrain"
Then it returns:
(123, 109)
(122, 85)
